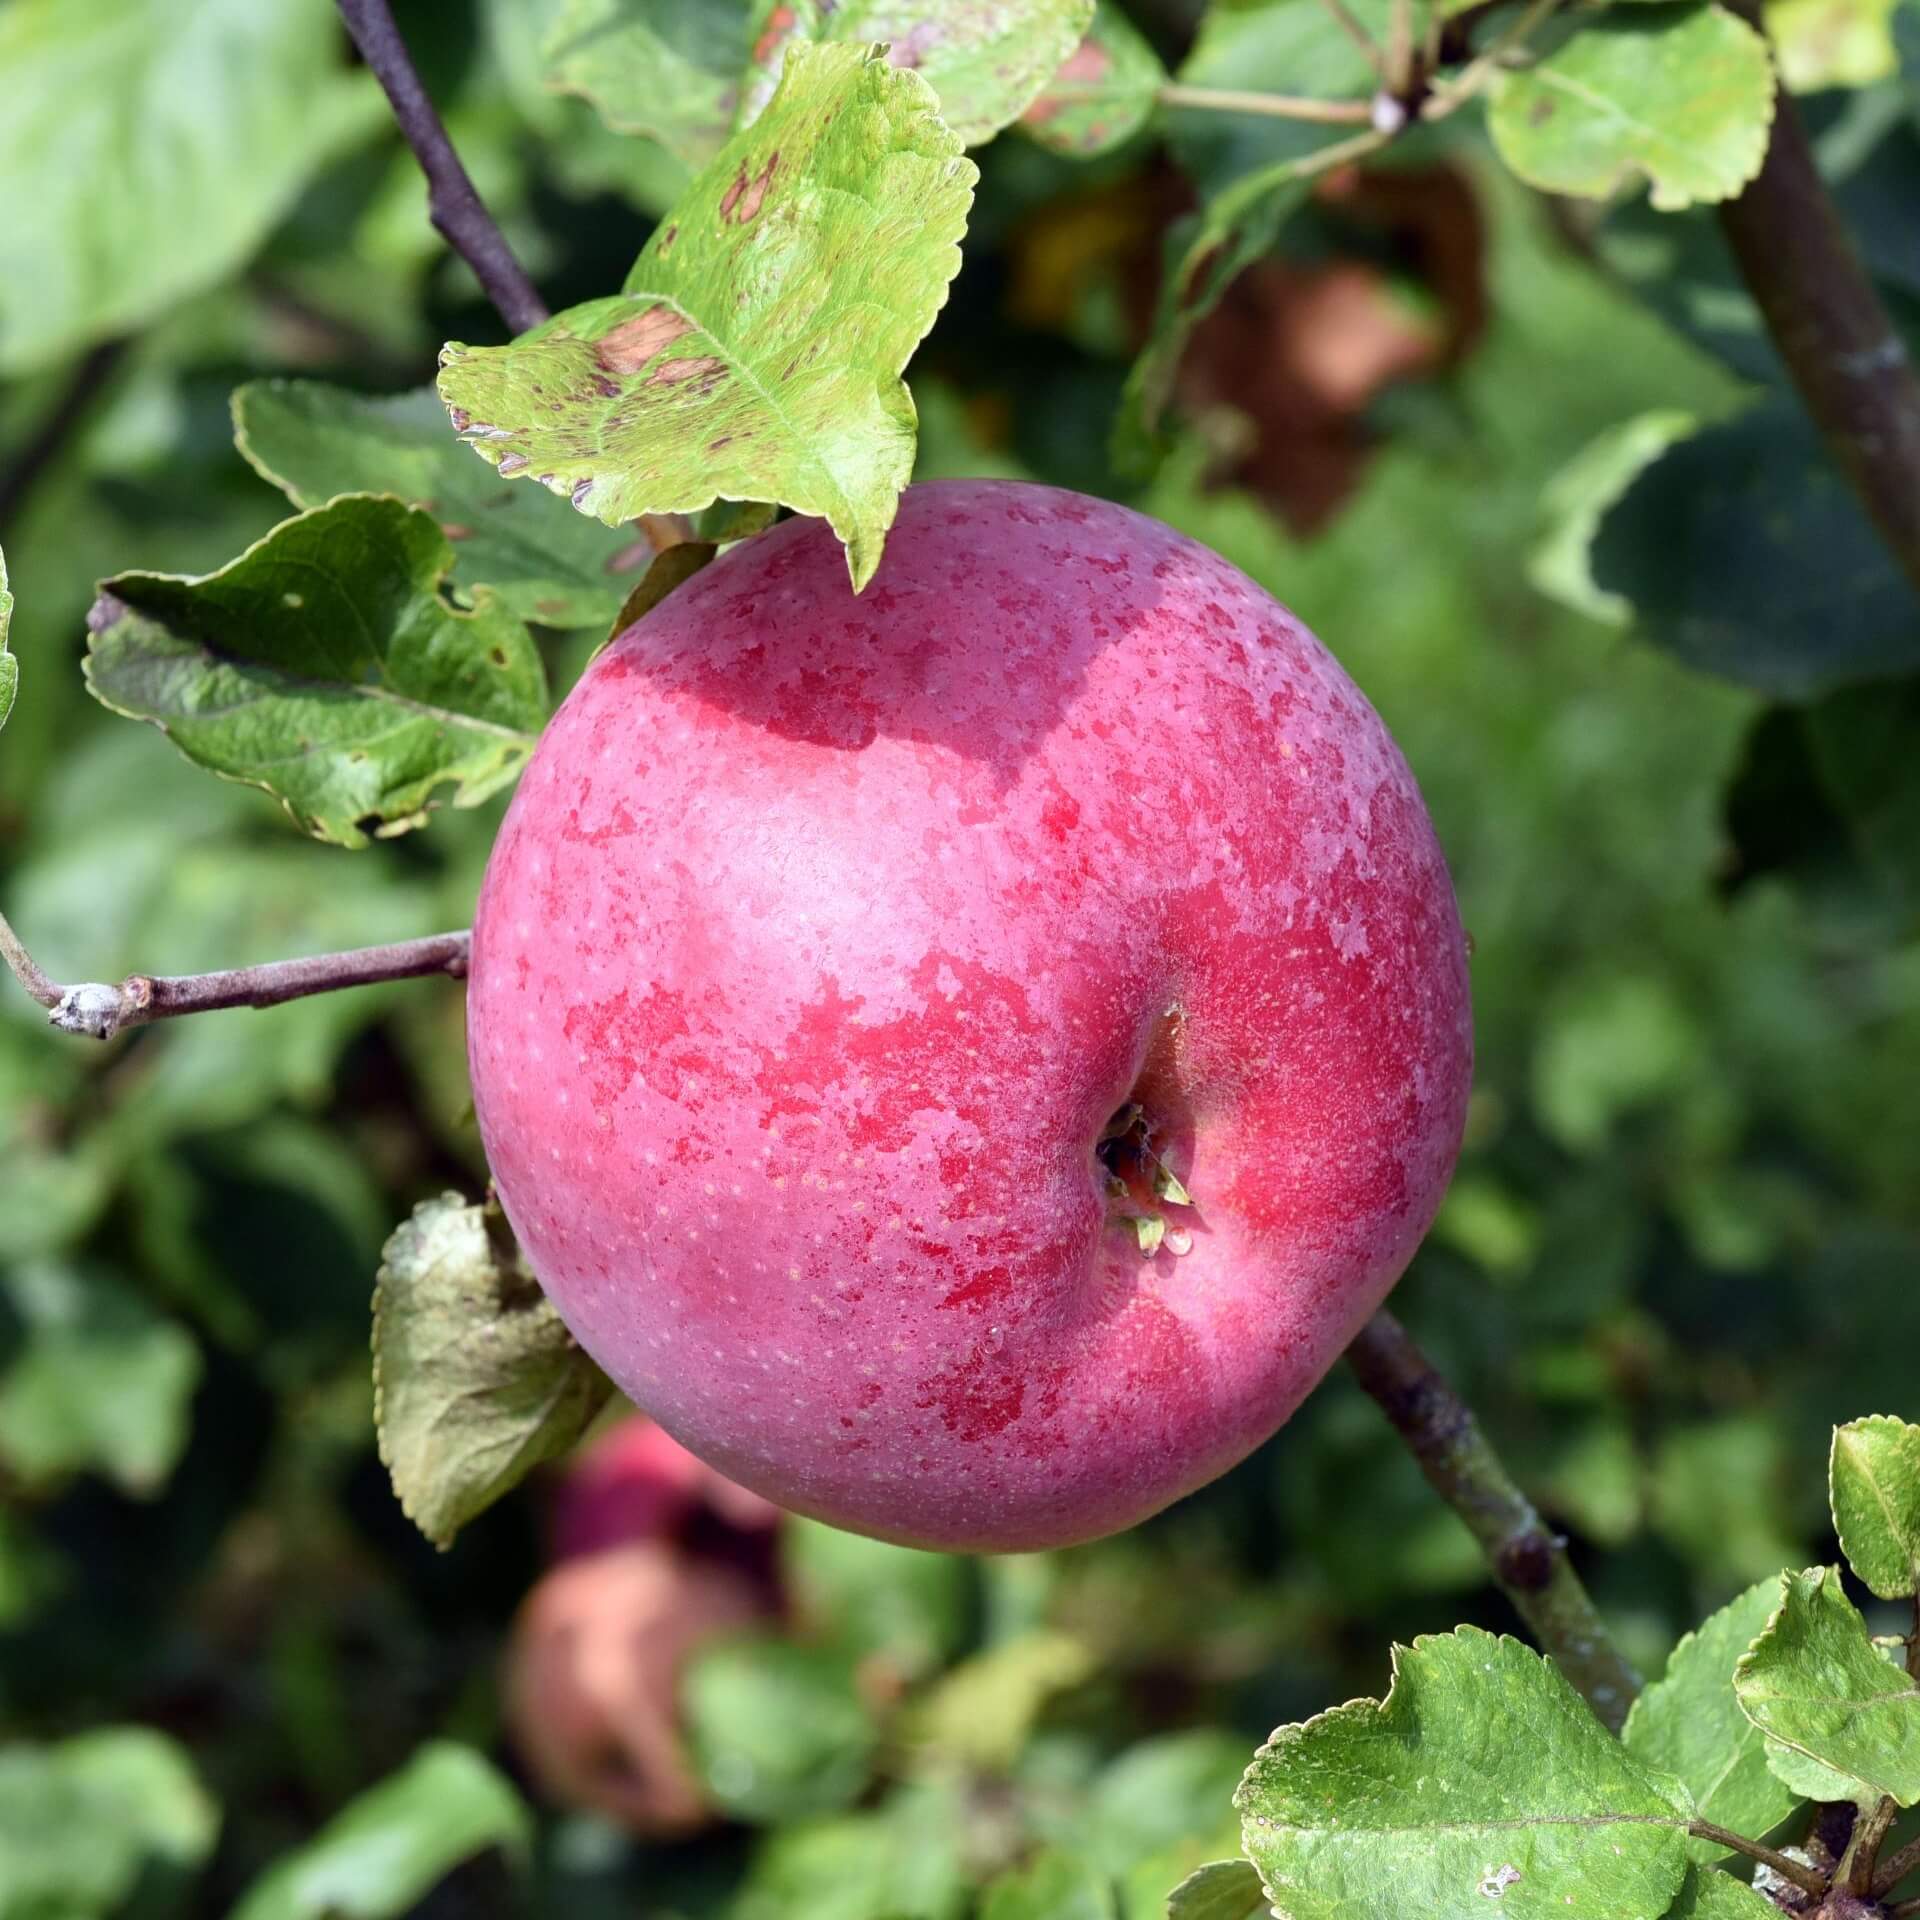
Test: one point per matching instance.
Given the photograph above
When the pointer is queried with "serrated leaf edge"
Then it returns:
(1833, 1455)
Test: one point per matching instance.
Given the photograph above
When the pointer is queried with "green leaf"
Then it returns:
(325, 666)
(1690, 1725)
(1861, 741)
(1481, 1777)
(1102, 95)
(901, 1859)
(1221, 1890)
(984, 59)
(1159, 1793)
(1744, 553)
(476, 1380)
(756, 351)
(147, 148)
(315, 442)
(1710, 1895)
(9, 666)
(1841, 1722)
(777, 1731)
(389, 1847)
(875, 1598)
(664, 68)
(670, 568)
(81, 1821)
(984, 1710)
(98, 1382)
(1685, 97)
(1875, 1481)
(1052, 1886)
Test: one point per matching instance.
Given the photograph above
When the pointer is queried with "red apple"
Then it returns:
(966, 1058)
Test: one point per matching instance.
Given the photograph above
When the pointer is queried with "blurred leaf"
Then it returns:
(1709, 1895)
(315, 442)
(1690, 1725)
(148, 146)
(1832, 43)
(1481, 1757)
(1841, 1722)
(9, 666)
(31, 1573)
(662, 68)
(756, 349)
(324, 666)
(984, 1711)
(1875, 1482)
(872, 1597)
(476, 1379)
(1053, 1886)
(389, 1847)
(1861, 739)
(1221, 1890)
(1716, 1495)
(1103, 94)
(1742, 551)
(81, 1821)
(984, 59)
(1611, 1044)
(99, 1382)
(1685, 97)
(1177, 1787)
(899, 1862)
(778, 1731)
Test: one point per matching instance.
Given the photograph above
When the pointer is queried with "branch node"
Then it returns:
(93, 1010)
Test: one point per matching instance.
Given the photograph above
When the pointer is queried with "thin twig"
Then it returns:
(1831, 327)
(24, 468)
(1895, 1868)
(1855, 1871)
(1278, 106)
(99, 1011)
(1349, 23)
(453, 203)
(1808, 1879)
(1529, 1562)
(1479, 70)
(1399, 47)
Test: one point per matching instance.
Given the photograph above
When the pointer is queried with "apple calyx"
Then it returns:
(1139, 1182)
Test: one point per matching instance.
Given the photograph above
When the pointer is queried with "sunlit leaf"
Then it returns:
(325, 666)
(1689, 1724)
(755, 353)
(1682, 96)
(476, 1380)
(1875, 1481)
(395, 1842)
(1481, 1778)
(1841, 1722)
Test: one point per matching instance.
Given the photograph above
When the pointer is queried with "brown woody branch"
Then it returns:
(99, 1010)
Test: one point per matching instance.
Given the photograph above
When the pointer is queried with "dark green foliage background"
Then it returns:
(1684, 1240)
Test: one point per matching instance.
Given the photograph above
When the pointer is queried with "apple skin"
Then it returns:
(826, 934)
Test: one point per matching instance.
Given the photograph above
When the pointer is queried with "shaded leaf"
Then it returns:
(9, 666)
(476, 1380)
(984, 59)
(80, 1821)
(99, 1381)
(1841, 1722)
(1221, 1890)
(902, 1858)
(1861, 740)
(1744, 553)
(324, 666)
(147, 148)
(661, 68)
(1685, 97)
(1875, 1483)
(315, 442)
(756, 351)
(1689, 1724)
(777, 1731)
(1052, 1886)
(1481, 1777)
(1707, 1894)
(1102, 94)
(671, 567)
(873, 1597)
(395, 1842)
(1162, 1792)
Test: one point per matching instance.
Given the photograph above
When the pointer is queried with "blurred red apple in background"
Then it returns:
(966, 1057)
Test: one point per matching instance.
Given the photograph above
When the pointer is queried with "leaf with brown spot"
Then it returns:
(1102, 94)
(811, 257)
(986, 59)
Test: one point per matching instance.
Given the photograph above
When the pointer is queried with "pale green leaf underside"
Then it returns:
(1875, 1483)
(984, 59)
(9, 666)
(476, 1380)
(1104, 92)
(1482, 1778)
(324, 666)
(756, 350)
(146, 149)
(1689, 1724)
(1841, 1722)
(380, 1856)
(315, 442)
(1221, 1890)
(1684, 97)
